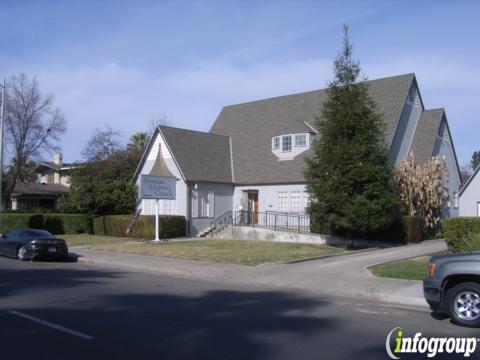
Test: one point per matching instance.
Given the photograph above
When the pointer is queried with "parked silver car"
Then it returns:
(453, 287)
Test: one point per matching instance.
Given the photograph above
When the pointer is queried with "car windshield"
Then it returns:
(34, 234)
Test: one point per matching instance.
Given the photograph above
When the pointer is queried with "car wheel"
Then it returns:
(21, 252)
(463, 303)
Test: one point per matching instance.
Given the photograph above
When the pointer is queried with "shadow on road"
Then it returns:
(145, 323)
(33, 276)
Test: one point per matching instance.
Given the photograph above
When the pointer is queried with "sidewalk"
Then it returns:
(342, 276)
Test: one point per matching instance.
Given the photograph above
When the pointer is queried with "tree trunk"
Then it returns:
(349, 240)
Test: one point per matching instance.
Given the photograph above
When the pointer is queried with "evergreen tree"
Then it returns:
(475, 162)
(104, 187)
(348, 176)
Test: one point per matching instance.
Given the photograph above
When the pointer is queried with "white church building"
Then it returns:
(253, 157)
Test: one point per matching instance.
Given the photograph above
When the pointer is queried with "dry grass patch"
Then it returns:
(244, 252)
(87, 240)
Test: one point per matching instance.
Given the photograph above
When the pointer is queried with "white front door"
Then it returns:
(478, 208)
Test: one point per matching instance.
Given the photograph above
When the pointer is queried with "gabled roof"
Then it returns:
(200, 156)
(251, 126)
(465, 186)
(40, 189)
(53, 166)
(426, 134)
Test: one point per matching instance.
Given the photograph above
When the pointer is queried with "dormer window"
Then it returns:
(301, 140)
(276, 143)
(288, 146)
(286, 143)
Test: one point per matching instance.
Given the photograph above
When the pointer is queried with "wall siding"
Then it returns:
(407, 125)
(267, 195)
(223, 194)
(167, 207)
(443, 147)
(470, 198)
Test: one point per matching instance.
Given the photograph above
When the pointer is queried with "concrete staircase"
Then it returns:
(217, 230)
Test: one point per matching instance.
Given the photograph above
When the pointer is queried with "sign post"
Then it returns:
(157, 188)
(157, 225)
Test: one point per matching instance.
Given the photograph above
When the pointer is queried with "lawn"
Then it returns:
(412, 269)
(87, 240)
(244, 252)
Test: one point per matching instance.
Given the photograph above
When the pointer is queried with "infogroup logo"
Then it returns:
(397, 344)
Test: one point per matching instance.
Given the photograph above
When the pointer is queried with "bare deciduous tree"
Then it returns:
(33, 125)
(102, 144)
(421, 189)
(154, 121)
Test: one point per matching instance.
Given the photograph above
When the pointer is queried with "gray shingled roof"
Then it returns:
(40, 189)
(201, 156)
(251, 126)
(425, 134)
(54, 166)
(470, 179)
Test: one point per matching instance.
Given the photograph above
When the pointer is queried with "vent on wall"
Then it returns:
(414, 97)
(443, 130)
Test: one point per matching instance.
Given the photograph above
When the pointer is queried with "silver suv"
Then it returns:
(453, 287)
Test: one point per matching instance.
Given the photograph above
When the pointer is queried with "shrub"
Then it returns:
(474, 242)
(116, 225)
(407, 229)
(321, 228)
(392, 234)
(13, 221)
(412, 229)
(461, 233)
(54, 223)
(68, 223)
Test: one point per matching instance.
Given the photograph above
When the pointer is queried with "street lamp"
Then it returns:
(2, 125)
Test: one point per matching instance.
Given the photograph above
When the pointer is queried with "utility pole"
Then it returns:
(2, 125)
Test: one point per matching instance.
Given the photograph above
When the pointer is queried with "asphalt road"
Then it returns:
(79, 311)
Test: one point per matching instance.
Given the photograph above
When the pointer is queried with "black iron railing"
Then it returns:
(221, 222)
(294, 222)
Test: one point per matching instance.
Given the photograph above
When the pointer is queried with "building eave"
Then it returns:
(465, 186)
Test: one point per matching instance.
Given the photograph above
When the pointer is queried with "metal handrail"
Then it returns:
(224, 219)
(294, 222)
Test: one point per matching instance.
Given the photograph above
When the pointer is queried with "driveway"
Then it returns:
(339, 276)
(348, 275)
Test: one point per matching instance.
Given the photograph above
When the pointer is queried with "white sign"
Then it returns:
(158, 187)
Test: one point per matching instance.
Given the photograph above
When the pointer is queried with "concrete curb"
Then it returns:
(407, 300)
(392, 300)
(139, 268)
(346, 253)
(291, 276)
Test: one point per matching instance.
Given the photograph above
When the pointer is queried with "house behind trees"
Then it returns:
(52, 181)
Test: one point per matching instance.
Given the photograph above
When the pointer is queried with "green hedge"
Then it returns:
(55, 223)
(408, 229)
(412, 229)
(462, 234)
(116, 225)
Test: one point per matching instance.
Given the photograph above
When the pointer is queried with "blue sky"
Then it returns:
(122, 63)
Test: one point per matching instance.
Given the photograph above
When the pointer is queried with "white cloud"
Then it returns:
(125, 98)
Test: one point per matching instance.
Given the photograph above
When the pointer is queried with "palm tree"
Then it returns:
(138, 141)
